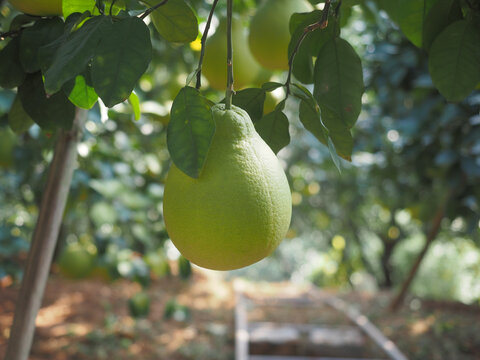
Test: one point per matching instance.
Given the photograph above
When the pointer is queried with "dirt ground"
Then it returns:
(89, 319)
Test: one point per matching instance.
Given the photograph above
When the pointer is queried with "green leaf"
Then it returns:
(175, 21)
(310, 119)
(273, 128)
(11, 72)
(135, 103)
(18, 119)
(338, 86)
(251, 100)
(190, 131)
(74, 54)
(122, 57)
(454, 60)
(46, 53)
(410, 16)
(43, 32)
(271, 86)
(311, 45)
(49, 113)
(79, 93)
(442, 14)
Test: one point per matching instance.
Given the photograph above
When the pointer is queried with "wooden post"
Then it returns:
(44, 240)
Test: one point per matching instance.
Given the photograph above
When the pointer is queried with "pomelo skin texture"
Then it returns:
(239, 209)
(245, 68)
(270, 34)
(38, 7)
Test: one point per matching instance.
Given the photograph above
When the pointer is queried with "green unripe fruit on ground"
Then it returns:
(77, 261)
(38, 7)
(8, 140)
(139, 305)
(245, 68)
(238, 210)
(270, 34)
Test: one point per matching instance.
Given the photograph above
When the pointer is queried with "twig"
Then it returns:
(152, 9)
(10, 33)
(229, 92)
(321, 24)
(203, 42)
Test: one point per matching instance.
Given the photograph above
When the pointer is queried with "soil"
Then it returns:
(89, 319)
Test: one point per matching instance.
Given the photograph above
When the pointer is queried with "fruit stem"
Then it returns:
(321, 24)
(204, 40)
(229, 92)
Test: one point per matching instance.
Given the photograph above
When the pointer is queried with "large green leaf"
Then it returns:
(251, 100)
(122, 57)
(190, 131)
(442, 14)
(338, 85)
(310, 117)
(454, 60)
(11, 72)
(74, 54)
(43, 32)
(175, 21)
(311, 45)
(79, 93)
(273, 128)
(18, 119)
(49, 112)
(410, 16)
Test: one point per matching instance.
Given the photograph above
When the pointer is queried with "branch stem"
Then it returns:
(321, 24)
(204, 40)
(230, 91)
(152, 9)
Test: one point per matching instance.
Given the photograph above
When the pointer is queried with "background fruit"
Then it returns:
(270, 34)
(239, 209)
(38, 7)
(77, 261)
(139, 305)
(245, 68)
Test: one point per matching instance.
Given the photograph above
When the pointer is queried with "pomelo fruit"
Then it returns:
(38, 7)
(238, 210)
(270, 34)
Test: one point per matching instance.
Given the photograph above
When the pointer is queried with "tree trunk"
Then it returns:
(388, 246)
(432, 234)
(44, 240)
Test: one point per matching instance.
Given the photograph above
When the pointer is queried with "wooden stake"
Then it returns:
(44, 240)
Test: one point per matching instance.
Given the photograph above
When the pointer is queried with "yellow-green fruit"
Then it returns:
(38, 7)
(77, 261)
(245, 68)
(239, 209)
(270, 34)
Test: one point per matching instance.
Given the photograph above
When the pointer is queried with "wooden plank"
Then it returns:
(241, 327)
(279, 357)
(365, 325)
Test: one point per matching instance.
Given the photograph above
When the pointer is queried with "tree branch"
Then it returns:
(229, 92)
(321, 24)
(152, 9)
(204, 40)
(44, 240)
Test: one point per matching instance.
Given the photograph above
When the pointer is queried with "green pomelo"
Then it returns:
(270, 34)
(245, 68)
(77, 261)
(38, 7)
(238, 210)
